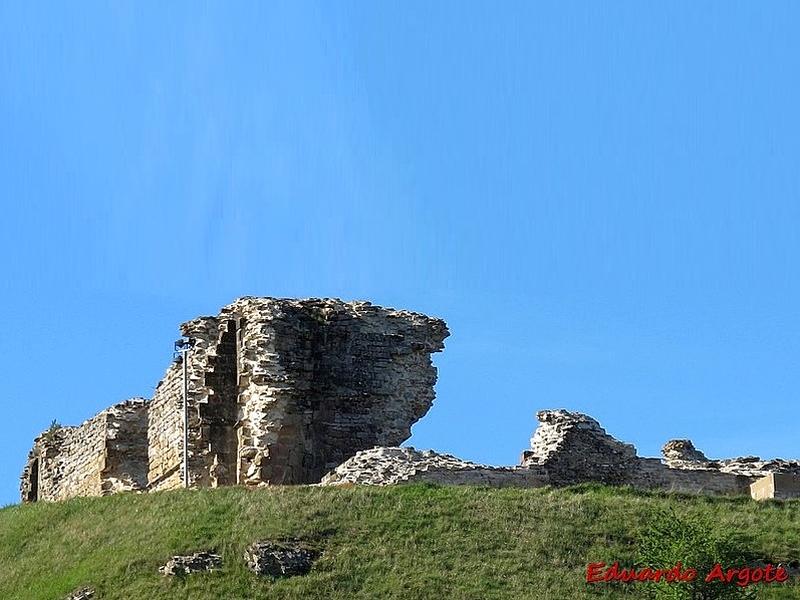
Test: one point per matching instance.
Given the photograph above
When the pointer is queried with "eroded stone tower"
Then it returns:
(279, 392)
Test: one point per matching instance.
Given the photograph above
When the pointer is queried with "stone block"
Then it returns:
(779, 486)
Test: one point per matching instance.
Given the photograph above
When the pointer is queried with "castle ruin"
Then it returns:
(278, 391)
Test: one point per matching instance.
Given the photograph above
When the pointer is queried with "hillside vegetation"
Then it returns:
(401, 542)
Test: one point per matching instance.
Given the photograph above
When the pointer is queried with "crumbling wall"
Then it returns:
(211, 406)
(165, 431)
(92, 459)
(680, 453)
(569, 448)
(575, 448)
(45, 468)
(213, 400)
(281, 391)
(126, 450)
(278, 391)
(572, 448)
(320, 380)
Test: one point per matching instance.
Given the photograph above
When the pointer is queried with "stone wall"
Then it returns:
(567, 448)
(573, 448)
(126, 450)
(105, 454)
(165, 431)
(320, 380)
(283, 391)
(280, 391)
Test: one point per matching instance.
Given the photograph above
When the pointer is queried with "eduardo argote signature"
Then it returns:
(600, 572)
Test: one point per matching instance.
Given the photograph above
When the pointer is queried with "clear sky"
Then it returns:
(601, 199)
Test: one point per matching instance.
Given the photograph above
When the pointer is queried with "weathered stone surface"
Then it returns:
(280, 559)
(681, 454)
(192, 563)
(779, 486)
(280, 391)
(320, 380)
(682, 451)
(84, 593)
(106, 454)
(566, 448)
(575, 449)
(389, 466)
(753, 466)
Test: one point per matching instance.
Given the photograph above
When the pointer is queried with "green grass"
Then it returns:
(403, 542)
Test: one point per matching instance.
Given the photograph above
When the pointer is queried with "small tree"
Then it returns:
(670, 538)
(52, 431)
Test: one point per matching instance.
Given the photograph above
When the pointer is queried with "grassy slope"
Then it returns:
(403, 542)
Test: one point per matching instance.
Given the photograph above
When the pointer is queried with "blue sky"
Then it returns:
(601, 199)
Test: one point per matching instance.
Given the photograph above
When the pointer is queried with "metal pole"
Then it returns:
(185, 420)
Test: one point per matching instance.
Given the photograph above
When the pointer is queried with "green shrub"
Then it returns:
(694, 542)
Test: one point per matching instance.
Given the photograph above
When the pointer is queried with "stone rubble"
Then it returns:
(200, 562)
(280, 559)
(84, 593)
(390, 466)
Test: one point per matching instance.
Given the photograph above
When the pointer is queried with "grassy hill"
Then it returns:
(403, 542)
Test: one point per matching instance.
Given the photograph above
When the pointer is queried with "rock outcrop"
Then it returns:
(280, 559)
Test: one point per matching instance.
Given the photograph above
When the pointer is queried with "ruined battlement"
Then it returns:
(280, 391)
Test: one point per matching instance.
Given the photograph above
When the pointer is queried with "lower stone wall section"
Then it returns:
(93, 459)
(573, 447)
(567, 448)
(651, 473)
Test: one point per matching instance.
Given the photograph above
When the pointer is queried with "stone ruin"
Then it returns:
(390, 466)
(280, 391)
(569, 448)
(286, 391)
